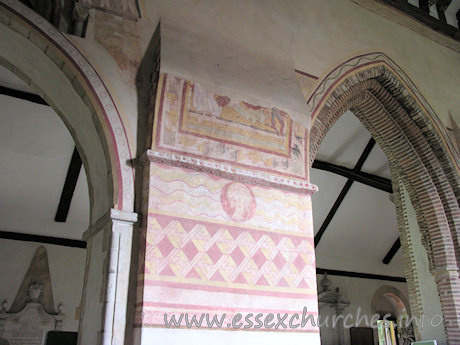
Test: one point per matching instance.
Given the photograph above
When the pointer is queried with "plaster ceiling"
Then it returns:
(36, 149)
(364, 227)
(35, 152)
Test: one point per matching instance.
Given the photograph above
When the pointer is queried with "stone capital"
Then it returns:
(113, 216)
(123, 216)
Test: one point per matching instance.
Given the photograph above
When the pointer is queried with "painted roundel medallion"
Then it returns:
(238, 201)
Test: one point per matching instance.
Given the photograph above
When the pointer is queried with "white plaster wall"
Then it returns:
(216, 337)
(429, 295)
(67, 269)
(249, 50)
(124, 95)
(351, 262)
(360, 293)
(252, 47)
(34, 138)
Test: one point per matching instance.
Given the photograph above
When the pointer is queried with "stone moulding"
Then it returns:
(230, 172)
(377, 64)
(421, 155)
(85, 77)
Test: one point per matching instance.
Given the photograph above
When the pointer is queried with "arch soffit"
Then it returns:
(88, 85)
(377, 65)
(347, 86)
(389, 290)
(423, 147)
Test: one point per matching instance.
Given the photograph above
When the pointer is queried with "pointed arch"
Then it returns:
(379, 67)
(420, 153)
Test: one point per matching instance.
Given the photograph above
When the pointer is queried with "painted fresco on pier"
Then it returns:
(193, 120)
(236, 122)
(199, 255)
(197, 195)
(238, 201)
(206, 254)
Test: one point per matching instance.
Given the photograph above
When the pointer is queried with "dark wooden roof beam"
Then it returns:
(358, 176)
(66, 242)
(392, 252)
(27, 96)
(69, 187)
(366, 152)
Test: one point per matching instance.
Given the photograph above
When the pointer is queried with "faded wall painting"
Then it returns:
(196, 194)
(219, 246)
(193, 120)
(228, 219)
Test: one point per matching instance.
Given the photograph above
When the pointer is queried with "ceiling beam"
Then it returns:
(332, 211)
(422, 16)
(75, 164)
(27, 96)
(358, 176)
(66, 242)
(366, 152)
(392, 252)
(359, 275)
(69, 187)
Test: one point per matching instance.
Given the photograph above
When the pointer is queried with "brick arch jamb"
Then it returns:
(429, 210)
(388, 82)
(413, 278)
(84, 82)
(395, 113)
(416, 141)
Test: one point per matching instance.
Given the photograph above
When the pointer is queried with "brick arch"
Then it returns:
(391, 77)
(378, 92)
(385, 290)
(82, 100)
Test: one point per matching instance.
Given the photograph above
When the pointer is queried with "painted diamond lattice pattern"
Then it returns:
(191, 252)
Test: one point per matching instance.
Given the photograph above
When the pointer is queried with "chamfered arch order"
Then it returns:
(51, 65)
(420, 153)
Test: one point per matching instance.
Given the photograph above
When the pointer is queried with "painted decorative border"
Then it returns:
(333, 78)
(230, 172)
(183, 127)
(306, 74)
(157, 142)
(172, 239)
(118, 139)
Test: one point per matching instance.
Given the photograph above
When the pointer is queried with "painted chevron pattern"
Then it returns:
(201, 253)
